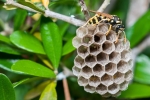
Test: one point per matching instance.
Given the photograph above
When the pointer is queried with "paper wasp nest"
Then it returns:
(101, 65)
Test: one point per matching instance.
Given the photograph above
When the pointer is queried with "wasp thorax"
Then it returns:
(102, 66)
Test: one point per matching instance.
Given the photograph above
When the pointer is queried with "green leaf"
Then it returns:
(49, 92)
(20, 82)
(52, 42)
(68, 47)
(136, 90)
(63, 28)
(5, 39)
(31, 5)
(6, 64)
(142, 69)
(19, 18)
(27, 42)
(139, 30)
(32, 68)
(6, 89)
(8, 49)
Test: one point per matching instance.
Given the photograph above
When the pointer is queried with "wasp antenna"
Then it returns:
(93, 11)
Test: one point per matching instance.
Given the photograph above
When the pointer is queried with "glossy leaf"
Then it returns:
(8, 49)
(6, 89)
(36, 91)
(52, 42)
(20, 82)
(27, 42)
(5, 39)
(63, 28)
(49, 92)
(19, 18)
(139, 30)
(142, 69)
(68, 47)
(32, 68)
(135, 91)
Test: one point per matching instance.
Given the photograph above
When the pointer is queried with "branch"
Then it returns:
(84, 9)
(66, 89)
(103, 6)
(48, 13)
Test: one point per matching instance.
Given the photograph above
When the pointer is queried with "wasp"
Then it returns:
(113, 20)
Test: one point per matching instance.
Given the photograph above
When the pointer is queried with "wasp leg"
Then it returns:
(109, 29)
(117, 38)
(125, 39)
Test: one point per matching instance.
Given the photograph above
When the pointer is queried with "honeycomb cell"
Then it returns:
(124, 85)
(108, 47)
(101, 89)
(106, 95)
(111, 68)
(81, 32)
(113, 89)
(116, 94)
(114, 57)
(76, 70)
(99, 37)
(128, 75)
(94, 81)
(119, 46)
(102, 58)
(79, 61)
(82, 81)
(122, 66)
(87, 40)
(130, 63)
(118, 78)
(103, 28)
(90, 32)
(106, 79)
(125, 55)
(95, 48)
(90, 60)
(86, 72)
(89, 88)
(76, 42)
(111, 36)
(98, 70)
(83, 51)
(127, 45)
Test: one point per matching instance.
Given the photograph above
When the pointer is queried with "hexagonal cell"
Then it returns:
(102, 58)
(116, 94)
(106, 79)
(86, 72)
(83, 51)
(127, 45)
(91, 32)
(113, 89)
(119, 46)
(125, 55)
(114, 57)
(111, 36)
(91, 27)
(76, 42)
(111, 68)
(101, 89)
(81, 32)
(130, 63)
(124, 85)
(99, 37)
(79, 61)
(103, 28)
(122, 66)
(128, 75)
(118, 78)
(94, 81)
(82, 81)
(87, 40)
(98, 70)
(95, 48)
(89, 88)
(90, 60)
(108, 47)
(76, 70)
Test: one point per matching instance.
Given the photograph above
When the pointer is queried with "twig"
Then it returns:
(49, 13)
(104, 5)
(84, 9)
(66, 90)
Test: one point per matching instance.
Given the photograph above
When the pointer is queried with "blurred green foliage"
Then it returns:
(35, 49)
